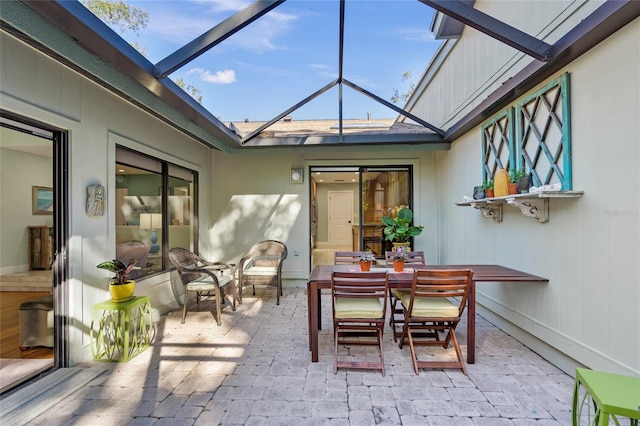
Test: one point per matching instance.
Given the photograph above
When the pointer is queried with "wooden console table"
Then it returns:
(40, 247)
(124, 329)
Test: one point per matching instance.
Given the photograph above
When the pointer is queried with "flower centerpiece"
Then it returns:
(366, 259)
(399, 257)
(121, 287)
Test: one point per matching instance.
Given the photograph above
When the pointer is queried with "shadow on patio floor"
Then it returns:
(256, 369)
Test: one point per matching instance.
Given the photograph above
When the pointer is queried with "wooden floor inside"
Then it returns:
(10, 327)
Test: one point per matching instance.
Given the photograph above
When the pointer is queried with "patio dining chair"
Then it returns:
(348, 257)
(262, 265)
(396, 318)
(202, 277)
(436, 302)
(358, 313)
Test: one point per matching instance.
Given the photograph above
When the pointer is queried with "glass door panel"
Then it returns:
(384, 192)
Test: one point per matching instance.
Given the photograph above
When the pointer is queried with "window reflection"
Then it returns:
(141, 216)
(384, 193)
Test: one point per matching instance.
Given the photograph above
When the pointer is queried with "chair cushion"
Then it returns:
(347, 307)
(261, 271)
(398, 293)
(431, 306)
(206, 283)
(266, 260)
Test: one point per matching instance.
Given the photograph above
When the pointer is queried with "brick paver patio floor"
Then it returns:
(255, 369)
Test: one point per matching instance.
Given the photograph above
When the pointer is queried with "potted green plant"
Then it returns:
(121, 288)
(488, 188)
(399, 230)
(366, 259)
(514, 178)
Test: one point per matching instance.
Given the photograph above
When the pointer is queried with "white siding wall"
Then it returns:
(37, 87)
(590, 309)
(479, 64)
(257, 200)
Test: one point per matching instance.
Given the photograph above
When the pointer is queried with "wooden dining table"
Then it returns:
(320, 278)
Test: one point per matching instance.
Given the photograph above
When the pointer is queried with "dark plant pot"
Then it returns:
(524, 183)
(478, 193)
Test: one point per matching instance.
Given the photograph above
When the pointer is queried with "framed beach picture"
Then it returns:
(42, 200)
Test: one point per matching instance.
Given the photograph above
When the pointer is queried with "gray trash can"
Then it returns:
(36, 322)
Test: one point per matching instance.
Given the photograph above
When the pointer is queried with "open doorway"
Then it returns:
(347, 204)
(28, 219)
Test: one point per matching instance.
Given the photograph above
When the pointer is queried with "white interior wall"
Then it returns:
(19, 172)
(589, 309)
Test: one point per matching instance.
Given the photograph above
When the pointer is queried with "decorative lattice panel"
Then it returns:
(543, 134)
(498, 144)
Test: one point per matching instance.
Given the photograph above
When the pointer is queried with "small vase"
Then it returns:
(401, 246)
(398, 265)
(365, 265)
(489, 192)
(513, 188)
(122, 292)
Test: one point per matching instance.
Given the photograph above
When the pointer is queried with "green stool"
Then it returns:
(612, 395)
(124, 329)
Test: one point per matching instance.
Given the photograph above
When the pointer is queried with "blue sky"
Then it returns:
(292, 52)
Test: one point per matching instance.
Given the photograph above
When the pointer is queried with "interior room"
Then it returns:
(26, 251)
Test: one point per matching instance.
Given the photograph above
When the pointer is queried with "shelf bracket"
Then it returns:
(536, 208)
(492, 211)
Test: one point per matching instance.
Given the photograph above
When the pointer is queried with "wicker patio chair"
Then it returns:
(262, 265)
(202, 277)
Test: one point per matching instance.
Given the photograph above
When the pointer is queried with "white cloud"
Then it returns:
(220, 77)
(419, 35)
(175, 26)
(226, 5)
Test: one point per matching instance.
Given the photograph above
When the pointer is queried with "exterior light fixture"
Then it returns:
(297, 176)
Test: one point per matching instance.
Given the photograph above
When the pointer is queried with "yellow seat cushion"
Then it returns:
(430, 306)
(398, 293)
(349, 308)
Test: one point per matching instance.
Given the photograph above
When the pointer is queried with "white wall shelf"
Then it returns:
(535, 205)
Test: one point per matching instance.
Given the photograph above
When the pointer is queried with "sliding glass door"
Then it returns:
(376, 192)
(384, 191)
